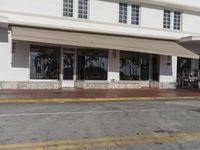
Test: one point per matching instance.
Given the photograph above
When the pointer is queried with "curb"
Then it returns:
(67, 100)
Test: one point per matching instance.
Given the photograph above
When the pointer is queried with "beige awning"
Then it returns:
(92, 40)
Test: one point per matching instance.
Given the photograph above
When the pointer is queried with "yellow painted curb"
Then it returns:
(65, 100)
(103, 142)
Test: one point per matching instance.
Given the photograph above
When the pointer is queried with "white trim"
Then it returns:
(3, 22)
(170, 4)
(45, 80)
(189, 39)
(100, 30)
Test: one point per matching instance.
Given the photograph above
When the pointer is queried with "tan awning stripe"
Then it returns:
(101, 41)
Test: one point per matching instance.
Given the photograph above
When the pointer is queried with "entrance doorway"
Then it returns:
(68, 68)
(155, 70)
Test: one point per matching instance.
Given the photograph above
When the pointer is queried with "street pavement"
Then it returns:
(127, 125)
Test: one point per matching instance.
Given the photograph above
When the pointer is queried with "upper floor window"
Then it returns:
(68, 8)
(123, 10)
(177, 21)
(167, 19)
(83, 9)
(135, 14)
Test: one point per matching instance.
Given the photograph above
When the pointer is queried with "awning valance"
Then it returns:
(152, 46)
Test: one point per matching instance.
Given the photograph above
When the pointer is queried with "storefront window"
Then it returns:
(44, 63)
(92, 64)
(134, 66)
(184, 67)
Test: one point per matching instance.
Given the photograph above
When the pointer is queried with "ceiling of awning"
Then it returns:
(152, 46)
(191, 43)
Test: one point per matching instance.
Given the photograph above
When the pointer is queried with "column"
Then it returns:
(113, 65)
(61, 66)
(168, 72)
(75, 64)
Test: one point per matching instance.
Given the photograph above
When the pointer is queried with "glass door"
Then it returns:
(68, 68)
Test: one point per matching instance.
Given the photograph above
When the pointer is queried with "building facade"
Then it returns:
(52, 44)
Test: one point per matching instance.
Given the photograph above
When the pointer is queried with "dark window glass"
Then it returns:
(68, 66)
(92, 64)
(199, 64)
(167, 19)
(155, 67)
(44, 62)
(184, 67)
(145, 60)
(134, 66)
(177, 21)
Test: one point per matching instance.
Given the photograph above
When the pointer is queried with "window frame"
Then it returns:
(58, 57)
(138, 57)
(82, 10)
(89, 53)
(167, 20)
(178, 26)
(66, 12)
(137, 14)
(123, 13)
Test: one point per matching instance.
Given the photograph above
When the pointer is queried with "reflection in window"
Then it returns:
(44, 62)
(134, 66)
(92, 64)
(68, 66)
(145, 60)
(184, 67)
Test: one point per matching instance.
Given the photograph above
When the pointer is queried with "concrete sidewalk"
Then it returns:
(81, 95)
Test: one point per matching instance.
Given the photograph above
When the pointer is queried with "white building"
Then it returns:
(97, 43)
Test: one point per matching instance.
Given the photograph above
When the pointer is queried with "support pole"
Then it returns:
(61, 66)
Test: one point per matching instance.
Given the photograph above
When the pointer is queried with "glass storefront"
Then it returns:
(184, 67)
(44, 62)
(92, 64)
(134, 66)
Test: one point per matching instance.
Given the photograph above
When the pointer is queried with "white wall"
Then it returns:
(104, 11)
(14, 66)
(168, 73)
(40, 7)
(113, 65)
(191, 22)
(152, 17)
(103, 17)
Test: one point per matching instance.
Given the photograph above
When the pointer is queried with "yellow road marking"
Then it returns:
(103, 142)
(115, 143)
(64, 100)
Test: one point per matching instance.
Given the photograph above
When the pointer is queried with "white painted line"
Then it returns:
(87, 112)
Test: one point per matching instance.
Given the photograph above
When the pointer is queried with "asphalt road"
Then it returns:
(130, 125)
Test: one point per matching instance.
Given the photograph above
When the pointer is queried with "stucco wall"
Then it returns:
(103, 17)
(13, 66)
(168, 72)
